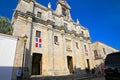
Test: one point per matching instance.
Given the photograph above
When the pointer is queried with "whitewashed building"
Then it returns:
(8, 46)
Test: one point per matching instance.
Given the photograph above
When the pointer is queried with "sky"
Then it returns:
(101, 17)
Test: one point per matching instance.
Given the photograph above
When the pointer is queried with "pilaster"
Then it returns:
(50, 51)
(66, 70)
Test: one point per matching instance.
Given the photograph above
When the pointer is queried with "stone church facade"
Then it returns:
(52, 44)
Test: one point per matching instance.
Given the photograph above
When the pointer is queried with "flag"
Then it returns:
(38, 42)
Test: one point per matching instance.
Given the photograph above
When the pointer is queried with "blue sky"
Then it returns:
(101, 17)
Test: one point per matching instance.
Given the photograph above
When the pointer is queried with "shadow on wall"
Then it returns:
(10, 72)
(5, 73)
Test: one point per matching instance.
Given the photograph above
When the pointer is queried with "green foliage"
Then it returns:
(5, 26)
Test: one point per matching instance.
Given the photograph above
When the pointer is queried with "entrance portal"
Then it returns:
(88, 64)
(36, 64)
(70, 64)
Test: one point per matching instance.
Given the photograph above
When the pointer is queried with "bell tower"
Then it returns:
(63, 9)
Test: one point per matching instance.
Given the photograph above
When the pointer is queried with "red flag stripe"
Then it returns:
(36, 44)
(40, 40)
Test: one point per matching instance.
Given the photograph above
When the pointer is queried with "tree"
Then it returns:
(5, 26)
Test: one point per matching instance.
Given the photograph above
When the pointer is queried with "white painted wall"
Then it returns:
(7, 53)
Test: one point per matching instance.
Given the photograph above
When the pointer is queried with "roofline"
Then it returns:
(105, 44)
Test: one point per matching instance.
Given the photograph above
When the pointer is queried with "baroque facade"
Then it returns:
(55, 44)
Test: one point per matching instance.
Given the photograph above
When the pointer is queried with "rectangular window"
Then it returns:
(38, 34)
(82, 33)
(56, 40)
(96, 54)
(86, 51)
(104, 51)
(77, 45)
(85, 47)
(39, 14)
(64, 11)
(38, 39)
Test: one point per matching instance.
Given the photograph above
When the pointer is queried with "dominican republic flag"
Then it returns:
(38, 42)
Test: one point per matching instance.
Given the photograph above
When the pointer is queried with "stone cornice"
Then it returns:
(24, 15)
(29, 14)
(50, 22)
(74, 23)
(39, 20)
(83, 28)
(78, 35)
(57, 27)
(19, 13)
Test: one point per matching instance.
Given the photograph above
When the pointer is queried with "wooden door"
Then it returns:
(70, 64)
(36, 64)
